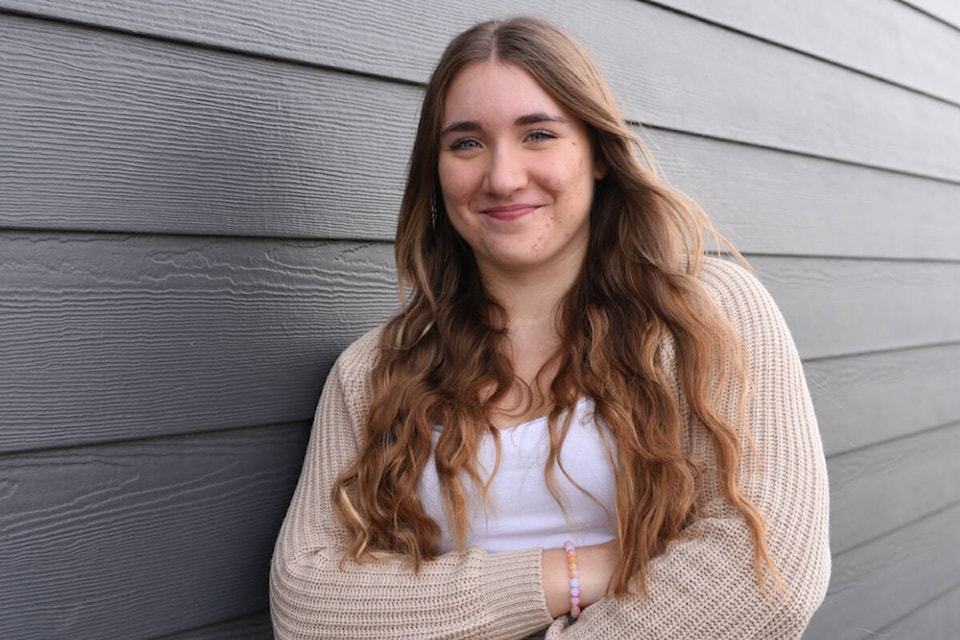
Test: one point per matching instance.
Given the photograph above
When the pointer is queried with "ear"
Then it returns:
(599, 169)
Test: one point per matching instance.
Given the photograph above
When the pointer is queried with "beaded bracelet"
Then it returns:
(574, 570)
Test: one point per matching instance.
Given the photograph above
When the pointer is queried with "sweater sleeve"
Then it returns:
(313, 595)
(703, 586)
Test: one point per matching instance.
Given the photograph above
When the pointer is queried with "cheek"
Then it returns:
(455, 184)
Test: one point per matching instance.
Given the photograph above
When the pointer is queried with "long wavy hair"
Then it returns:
(637, 295)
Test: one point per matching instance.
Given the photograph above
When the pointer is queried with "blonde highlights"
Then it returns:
(637, 301)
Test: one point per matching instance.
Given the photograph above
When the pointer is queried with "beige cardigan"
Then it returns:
(702, 587)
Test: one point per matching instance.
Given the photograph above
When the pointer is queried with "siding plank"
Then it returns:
(946, 10)
(121, 133)
(836, 306)
(178, 530)
(175, 140)
(883, 487)
(737, 88)
(255, 627)
(938, 619)
(886, 39)
(769, 201)
(874, 397)
(877, 583)
(109, 337)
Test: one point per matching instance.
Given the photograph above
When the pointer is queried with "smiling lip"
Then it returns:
(510, 212)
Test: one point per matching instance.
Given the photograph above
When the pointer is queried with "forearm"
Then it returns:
(596, 567)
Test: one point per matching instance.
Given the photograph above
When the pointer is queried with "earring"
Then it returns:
(434, 216)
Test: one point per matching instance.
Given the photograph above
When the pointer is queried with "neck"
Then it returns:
(530, 298)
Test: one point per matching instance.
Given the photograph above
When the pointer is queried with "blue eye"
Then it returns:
(464, 144)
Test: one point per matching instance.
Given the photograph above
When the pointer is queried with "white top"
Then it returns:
(521, 513)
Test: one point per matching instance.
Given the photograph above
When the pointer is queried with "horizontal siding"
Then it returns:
(946, 10)
(111, 132)
(111, 337)
(940, 618)
(192, 132)
(177, 530)
(877, 583)
(736, 88)
(836, 307)
(255, 627)
(883, 38)
(911, 477)
(875, 397)
(260, 148)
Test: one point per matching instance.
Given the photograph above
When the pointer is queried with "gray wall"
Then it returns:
(196, 205)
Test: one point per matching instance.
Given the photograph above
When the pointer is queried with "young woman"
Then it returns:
(567, 370)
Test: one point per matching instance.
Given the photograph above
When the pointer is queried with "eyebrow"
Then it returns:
(524, 120)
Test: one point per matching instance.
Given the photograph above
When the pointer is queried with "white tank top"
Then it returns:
(521, 513)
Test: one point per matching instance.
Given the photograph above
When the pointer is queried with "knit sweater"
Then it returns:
(702, 587)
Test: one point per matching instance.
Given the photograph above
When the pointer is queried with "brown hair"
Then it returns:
(637, 295)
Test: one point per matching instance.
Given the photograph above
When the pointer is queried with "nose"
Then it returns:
(506, 173)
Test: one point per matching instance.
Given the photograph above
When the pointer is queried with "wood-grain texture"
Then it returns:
(139, 539)
(886, 39)
(196, 206)
(110, 337)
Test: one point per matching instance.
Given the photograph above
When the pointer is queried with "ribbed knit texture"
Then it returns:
(703, 587)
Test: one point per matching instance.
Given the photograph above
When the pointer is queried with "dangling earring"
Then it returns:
(434, 215)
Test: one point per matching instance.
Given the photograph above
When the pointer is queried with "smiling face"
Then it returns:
(516, 172)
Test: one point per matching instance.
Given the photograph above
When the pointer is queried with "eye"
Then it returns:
(540, 135)
(464, 144)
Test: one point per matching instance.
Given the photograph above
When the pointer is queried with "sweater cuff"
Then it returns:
(512, 586)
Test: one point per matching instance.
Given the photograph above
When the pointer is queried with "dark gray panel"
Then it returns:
(880, 488)
(211, 143)
(115, 337)
(255, 627)
(112, 337)
(140, 539)
(937, 619)
(868, 35)
(102, 131)
(837, 306)
(879, 582)
(736, 87)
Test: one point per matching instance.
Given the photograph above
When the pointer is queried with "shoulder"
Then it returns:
(351, 372)
(749, 308)
(738, 294)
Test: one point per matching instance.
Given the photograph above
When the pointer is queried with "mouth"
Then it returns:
(507, 213)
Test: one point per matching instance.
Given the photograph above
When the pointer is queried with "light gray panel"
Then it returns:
(864, 399)
(736, 87)
(140, 539)
(938, 619)
(837, 306)
(112, 337)
(774, 202)
(875, 584)
(880, 488)
(946, 10)
(255, 627)
(111, 132)
(883, 38)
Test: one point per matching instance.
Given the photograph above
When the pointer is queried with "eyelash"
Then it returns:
(541, 134)
(537, 135)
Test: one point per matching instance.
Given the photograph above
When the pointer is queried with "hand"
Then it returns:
(596, 566)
